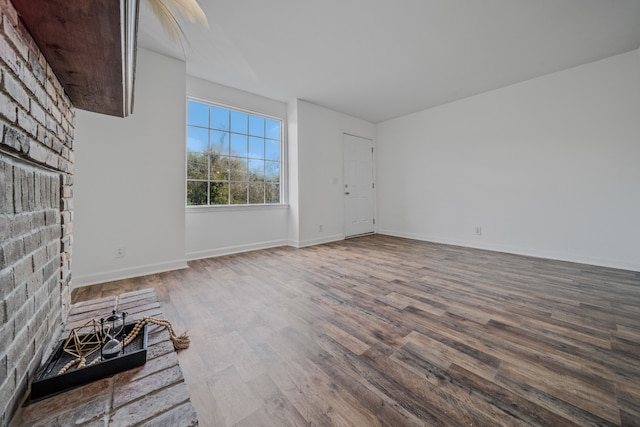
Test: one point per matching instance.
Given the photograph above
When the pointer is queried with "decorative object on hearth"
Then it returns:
(85, 339)
(179, 342)
(112, 346)
(82, 345)
(121, 347)
(63, 371)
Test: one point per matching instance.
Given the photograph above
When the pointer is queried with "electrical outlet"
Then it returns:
(119, 252)
(478, 230)
(320, 228)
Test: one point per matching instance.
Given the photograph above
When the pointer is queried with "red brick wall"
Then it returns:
(36, 208)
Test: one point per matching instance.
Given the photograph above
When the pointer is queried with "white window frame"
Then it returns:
(283, 199)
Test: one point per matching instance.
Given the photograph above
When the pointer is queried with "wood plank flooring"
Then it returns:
(383, 331)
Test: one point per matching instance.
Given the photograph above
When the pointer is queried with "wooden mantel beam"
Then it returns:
(91, 47)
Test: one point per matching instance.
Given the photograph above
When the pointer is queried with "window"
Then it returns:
(233, 157)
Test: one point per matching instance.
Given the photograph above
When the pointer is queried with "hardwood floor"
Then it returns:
(386, 331)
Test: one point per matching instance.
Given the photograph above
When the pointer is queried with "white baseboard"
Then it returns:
(317, 241)
(127, 273)
(558, 256)
(210, 253)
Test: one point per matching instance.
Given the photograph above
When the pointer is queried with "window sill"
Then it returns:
(235, 208)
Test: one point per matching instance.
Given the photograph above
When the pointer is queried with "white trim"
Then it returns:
(232, 208)
(318, 241)
(127, 273)
(211, 253)
(129, 38)
(374, 199)
(284, 150)
(233, 107)
(558, 256)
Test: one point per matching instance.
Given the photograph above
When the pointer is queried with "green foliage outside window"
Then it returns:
(233, 157)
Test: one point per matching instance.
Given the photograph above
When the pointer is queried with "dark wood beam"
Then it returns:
(90, 45)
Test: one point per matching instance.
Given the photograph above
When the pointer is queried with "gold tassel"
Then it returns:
(181, 342)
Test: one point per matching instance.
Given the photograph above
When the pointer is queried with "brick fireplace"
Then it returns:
(36, 208)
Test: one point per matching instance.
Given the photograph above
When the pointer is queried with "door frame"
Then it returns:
(373, 176)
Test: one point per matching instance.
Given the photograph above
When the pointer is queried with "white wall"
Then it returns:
(549, 167)
(129, 180)
(319, 167)
(213, 231)
(139, 163)
(292, 173)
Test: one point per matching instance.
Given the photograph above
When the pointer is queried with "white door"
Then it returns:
(358, 185)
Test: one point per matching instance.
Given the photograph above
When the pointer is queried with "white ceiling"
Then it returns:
(380, 59)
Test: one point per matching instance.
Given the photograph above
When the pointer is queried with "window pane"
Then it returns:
(197, 114)
(196, 193)
(238, 193)
(256, 148)
(273, 129)
(219, 118)
(219, 142)
(272, 193)
(239, 122)
(238, 145)
(197, 165)
(256, 126)
(272, 150)
(256, 193)
(197, 139)
(219, 193)
(233, 157)
(219, 168)
(238, 169)
(256, 170)
(272, 171)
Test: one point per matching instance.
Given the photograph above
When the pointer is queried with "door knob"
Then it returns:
(347, 193)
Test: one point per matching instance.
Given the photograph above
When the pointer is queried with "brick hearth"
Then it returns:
(151, 395)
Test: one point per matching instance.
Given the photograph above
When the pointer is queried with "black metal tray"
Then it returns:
(48, 382)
